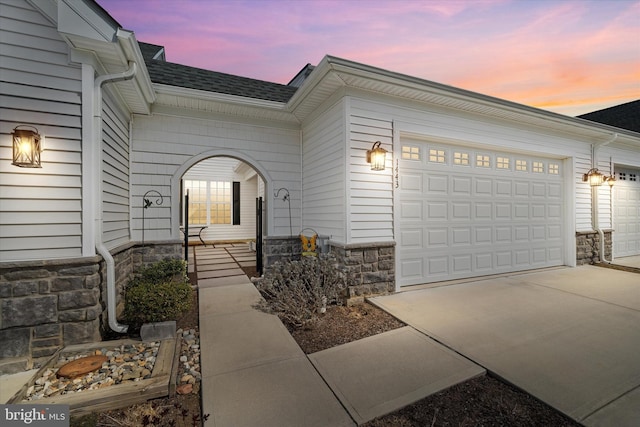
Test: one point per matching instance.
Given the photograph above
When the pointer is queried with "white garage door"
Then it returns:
(626, 213)
(466, 212)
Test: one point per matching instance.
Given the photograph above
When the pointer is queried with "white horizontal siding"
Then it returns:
(372, 120)
(164, 143)
(583, 192)
(323, 174)
(41, 89)
(371, 192)
(115, 173)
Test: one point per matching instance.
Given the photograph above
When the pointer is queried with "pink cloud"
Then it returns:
(536, 53)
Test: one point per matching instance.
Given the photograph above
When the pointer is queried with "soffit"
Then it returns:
(113, 60)
(216, 103)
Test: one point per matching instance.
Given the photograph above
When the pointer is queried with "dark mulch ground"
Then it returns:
(618, 267)
(340, 325)
(483, 401)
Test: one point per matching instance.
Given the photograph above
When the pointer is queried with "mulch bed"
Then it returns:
(341, 324)
(618, 267)
(483, 401)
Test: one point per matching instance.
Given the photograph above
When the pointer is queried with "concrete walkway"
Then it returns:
(255, 374)
(568, 336)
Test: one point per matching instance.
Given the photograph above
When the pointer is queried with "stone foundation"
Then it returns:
(277, 249)
(372, 266)
(46, 305)
(588, 247)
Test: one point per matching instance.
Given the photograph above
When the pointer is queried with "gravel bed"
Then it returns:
(132, 362)
(189, 367)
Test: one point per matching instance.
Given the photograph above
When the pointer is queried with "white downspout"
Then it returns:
(594, 196)
(97, 169)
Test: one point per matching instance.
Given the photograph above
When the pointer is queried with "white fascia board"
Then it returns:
(77, 18)
(315, 78)
(129, 44)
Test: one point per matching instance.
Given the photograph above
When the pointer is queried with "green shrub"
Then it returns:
(297, 291)
(158, 293)
(169, 269)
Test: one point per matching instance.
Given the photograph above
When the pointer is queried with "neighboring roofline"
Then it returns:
(624, 116)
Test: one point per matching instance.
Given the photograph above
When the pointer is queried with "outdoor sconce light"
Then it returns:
(593, 177)
(611, 180)
(377, 156)
(26, 147)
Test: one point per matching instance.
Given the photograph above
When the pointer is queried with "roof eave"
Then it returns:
(87, 28)
(332, 72)
(180, 97)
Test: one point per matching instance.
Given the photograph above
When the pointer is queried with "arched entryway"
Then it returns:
(223, 187)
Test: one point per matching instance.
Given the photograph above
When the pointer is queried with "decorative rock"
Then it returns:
(184, 389)
(81, 366)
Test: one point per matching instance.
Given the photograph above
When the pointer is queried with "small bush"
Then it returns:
(158, 293)
(169, 269)
(298, 290)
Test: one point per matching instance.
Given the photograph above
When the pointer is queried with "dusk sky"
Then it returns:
(571, 57)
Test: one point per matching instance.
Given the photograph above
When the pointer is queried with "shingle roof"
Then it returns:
(172, 74)
(624, 116)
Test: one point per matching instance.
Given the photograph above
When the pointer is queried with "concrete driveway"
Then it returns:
(568, 336)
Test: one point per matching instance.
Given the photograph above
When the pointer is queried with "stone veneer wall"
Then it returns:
(588, 247)
(372, 266)
(281, 249)
(46, 305)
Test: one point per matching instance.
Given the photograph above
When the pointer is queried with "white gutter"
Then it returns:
(97, 170)
(594, 197)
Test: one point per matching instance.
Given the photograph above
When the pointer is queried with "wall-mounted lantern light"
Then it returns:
(611, 180)
(593, 177)
(377, 157)
(26, 147)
